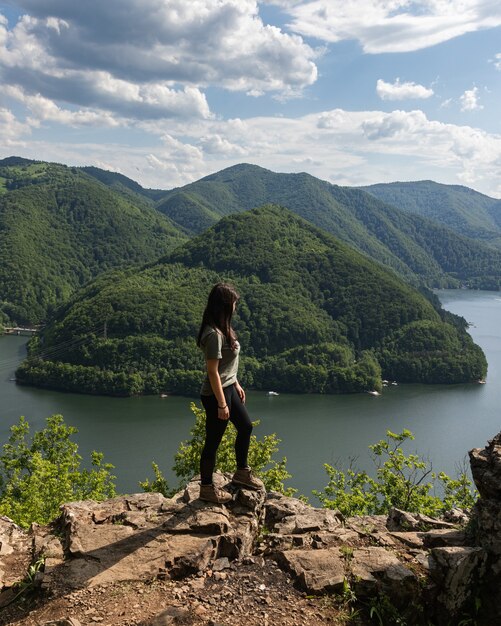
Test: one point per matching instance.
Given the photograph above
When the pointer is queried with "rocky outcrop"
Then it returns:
(486, 470)
(426, 569)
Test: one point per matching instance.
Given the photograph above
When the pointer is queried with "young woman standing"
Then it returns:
(222, 396)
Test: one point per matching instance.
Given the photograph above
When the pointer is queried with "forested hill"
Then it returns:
(59, 227)
(410, 244)
(315, 316)
(461, 209)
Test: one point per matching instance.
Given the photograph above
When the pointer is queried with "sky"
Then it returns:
(355, 92)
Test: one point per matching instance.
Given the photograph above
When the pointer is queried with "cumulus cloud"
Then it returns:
(348, 147)
(469, 100)
(402, 91)
(11, 128)
(344, 147)
(149, 59)
(390, 25)
(497, 61)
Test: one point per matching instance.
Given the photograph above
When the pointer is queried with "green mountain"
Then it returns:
(60, 227)
(461, 209)
(315, 316)
(415, 247)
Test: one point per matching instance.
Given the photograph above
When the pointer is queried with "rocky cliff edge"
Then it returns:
(263, 559)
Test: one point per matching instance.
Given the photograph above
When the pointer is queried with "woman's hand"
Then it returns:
(223, 414)
(241, 392)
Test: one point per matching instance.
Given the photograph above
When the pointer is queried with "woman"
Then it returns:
(222, 396)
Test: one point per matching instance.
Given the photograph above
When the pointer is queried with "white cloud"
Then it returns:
(469, 100)
(344, 147)
(349, 147)
(402, 91)
(148, 59)
(497, 61)
(11, 128)
(390, 25)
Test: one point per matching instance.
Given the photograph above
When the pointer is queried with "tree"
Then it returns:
(37, 475)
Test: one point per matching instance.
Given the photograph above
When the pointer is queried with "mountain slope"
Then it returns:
(411, 245)
(461, 209)
(59, 227)
(315, 316)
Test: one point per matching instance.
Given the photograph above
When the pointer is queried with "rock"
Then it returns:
(457, 571)
(457, 516)
(486, 469)
(220, 564)
(289, 515)
(69, 621)
(410, 539)
(16, 553)
(172, 616)
(376, 569)
(403, 521)
(141, 536)
(443, 537)
(317, 571)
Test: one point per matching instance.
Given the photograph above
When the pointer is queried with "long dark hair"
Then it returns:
(219, 311)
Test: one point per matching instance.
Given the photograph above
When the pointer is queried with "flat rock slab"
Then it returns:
(316, 571)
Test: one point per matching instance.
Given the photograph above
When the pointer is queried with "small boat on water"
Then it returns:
(164, 395)
(374, 393)
(481, 382)
(272, 393)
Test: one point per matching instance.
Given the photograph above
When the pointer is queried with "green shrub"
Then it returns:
(38, 475)
(403, 481)
(187, 459)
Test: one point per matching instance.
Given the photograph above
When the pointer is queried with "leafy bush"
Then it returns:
(38, 475)
(187, 460)
(403, 481)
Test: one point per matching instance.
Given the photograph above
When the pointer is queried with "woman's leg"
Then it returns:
(214, 431)
(242, 422)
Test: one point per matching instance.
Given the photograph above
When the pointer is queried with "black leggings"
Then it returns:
(214, 431)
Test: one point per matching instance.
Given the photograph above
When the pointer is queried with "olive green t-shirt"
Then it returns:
(216, 346)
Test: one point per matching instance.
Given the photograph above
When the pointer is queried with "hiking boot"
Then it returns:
(245, 478)
(211, 493)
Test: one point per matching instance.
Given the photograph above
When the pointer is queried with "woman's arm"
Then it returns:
(240, 392)
(215, 382)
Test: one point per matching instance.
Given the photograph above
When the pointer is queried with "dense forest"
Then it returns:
(461, 209)
(60, 227)
(315, 316)
(417, 248)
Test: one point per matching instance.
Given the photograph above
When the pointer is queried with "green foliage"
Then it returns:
(38, 474)
(315, 317)
(401, 238)
(158, 485)
(60, 227)
(404, 481)
(459, 208)
(272, 473)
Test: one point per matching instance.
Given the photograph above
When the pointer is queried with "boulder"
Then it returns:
(457, 571)
(376, 570)
(316, 571)
(16, 552)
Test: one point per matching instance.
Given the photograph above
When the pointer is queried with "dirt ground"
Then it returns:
(256, 593)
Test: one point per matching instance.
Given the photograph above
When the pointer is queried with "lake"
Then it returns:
(447, 420)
